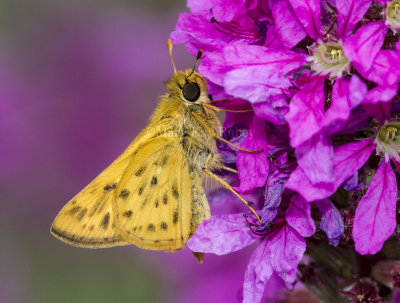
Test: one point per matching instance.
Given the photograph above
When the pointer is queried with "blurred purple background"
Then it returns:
(78, 81)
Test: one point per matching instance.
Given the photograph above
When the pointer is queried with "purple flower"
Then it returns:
(375, 216)
(213, 24)
(253, 168)
(280, 249)
(322, 78)
(331, 221)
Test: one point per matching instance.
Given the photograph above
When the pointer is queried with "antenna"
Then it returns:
(199, 54)
(170, 54)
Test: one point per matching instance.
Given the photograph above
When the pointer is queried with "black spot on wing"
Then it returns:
(159, 134)
(110, 187)
(140, 171)
(175, 216)
(175, 192)
(151, 227)
(140, 191)
(143, 203)
(165, 198)
(161, 162)
(166, 117)
(105, 221)
(156, 203)
(74, 210)
(128, 213)
(81, 214)
(124, 194)
(154, 181)
(164, 225)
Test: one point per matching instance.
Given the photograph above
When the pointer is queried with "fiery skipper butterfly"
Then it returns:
(151, 195)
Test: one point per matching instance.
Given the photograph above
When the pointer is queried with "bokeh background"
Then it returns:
(78, 81)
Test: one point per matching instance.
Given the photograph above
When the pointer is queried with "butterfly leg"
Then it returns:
(217, 109)
(227, 186)
(230, 169)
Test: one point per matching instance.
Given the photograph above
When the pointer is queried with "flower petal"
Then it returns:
(253, 168)
(348, 159)
(203, 6)
(306, 112)
(309, 14)
(241, 68)
(352, 183)
(273, 195)
(272, 110)
(197, 32)
(298, 216)
(226, 11)
(287, 28)
(258, 272)
(375, 217)
(362, 48)
(349, 12)
(340, 109)
(377, 101)
(331, 221)
(221, 235)
(385, 69)
(357, 91)
(315, 157)
(286, 248)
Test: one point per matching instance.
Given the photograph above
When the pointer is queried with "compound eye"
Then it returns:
(191, 91)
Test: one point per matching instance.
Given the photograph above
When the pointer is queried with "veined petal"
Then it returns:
(203, 6)
(253, 168)
(258, 81)
(272, 110)
(274, 65)
(221, 235)
(315, 157)
(385, 69)
(309, 14)
(352, 183)
(255, 83)
(375, 218)
(348, 159)
(286, 248)
(258, 272)
(357, 91)
(287, 28)
(306, 112)
(377, 101)
(340, 109)
(226, 11)
(298, 216)
(362, 48)
(197, 32)
(273, 195)
(331, 221)
(349, 12)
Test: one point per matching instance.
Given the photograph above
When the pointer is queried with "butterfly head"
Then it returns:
(189, 86)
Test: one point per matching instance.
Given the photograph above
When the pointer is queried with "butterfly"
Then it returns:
(151, 196)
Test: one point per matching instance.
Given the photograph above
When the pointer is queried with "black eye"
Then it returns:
(191, 91)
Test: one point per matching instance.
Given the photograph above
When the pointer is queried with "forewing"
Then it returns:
(159, 200)
(87, 220)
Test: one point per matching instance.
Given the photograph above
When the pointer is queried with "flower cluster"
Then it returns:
(322, 78)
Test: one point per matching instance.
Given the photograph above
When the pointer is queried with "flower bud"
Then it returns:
(387, 272)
